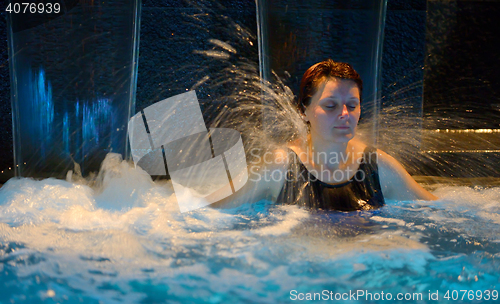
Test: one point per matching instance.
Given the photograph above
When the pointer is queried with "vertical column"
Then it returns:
(73, 67)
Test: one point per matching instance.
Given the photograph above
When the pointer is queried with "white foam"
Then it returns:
(110, 229)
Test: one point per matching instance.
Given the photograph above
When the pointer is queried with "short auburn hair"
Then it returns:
(320, 72)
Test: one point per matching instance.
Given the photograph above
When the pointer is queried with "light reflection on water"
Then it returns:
(123, 240)
(42, 109)
(62, 128)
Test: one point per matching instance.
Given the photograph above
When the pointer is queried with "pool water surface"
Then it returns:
(126, 242)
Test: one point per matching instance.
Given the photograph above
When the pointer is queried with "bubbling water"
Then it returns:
(120, 237)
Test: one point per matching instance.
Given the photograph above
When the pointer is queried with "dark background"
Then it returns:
(458, 50)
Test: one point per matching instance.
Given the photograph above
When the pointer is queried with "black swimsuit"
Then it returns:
(362, 192)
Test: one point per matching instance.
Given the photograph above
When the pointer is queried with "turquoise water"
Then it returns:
(121, 239)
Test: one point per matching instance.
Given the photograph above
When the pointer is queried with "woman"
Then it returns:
(330, 169)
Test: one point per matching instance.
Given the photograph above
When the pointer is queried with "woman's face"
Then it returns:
(334, 111)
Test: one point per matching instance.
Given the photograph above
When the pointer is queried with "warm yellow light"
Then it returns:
(468, 131)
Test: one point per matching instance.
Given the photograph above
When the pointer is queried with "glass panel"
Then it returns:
(462, 88)
(73, 77)
(296, 34)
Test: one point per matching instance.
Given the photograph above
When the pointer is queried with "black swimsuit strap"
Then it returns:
(362, 191)
(367, 152)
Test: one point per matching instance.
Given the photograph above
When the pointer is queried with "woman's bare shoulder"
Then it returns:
(389, 163)
(357, 146)
(298, 146)
(277, 158)
(396, 182)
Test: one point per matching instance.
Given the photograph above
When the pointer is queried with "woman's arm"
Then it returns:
(265, 181)
(396, 183)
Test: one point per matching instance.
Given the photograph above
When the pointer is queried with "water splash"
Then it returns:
(120, 236)
(117, 236)
(440, 143)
